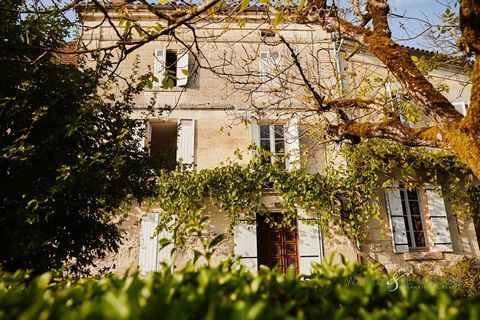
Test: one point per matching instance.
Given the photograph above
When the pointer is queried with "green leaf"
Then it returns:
(244, 4)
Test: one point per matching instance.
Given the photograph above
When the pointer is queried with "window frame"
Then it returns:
(272, 138)
(407, 214)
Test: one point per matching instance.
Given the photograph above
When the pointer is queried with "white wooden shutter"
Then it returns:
(245, 243)
(309, 242)
(292, 144)
(438, 215)
(150, 254)
(264, 66)
(397, 220)
(255, 132)
(159, 62)
(147, 257)
(460, 107)
(186, 142)
(182, 68)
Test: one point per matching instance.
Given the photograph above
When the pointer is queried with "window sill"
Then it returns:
(422, 255)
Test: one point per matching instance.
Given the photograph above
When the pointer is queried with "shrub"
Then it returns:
(464, 277)
(229, 292)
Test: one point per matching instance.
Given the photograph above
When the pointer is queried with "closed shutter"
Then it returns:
(264, 66)
(147, 257)
(159, 65)
(182, 68)
(309, 243)
(438, 215)
(186, 142)
(245, 243)
(460, 107)
(397, 220)
(151, 255)
(292, 146)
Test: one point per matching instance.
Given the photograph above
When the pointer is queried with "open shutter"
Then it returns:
(245, 243)
(438, 215)
(159, 65)
(397, 220)
(292, 144)
(182, 68)
(255, 132)
(186, 142)
(147, 257)
(309, 243)
(151, 255)
(460, 107)
(263, 66)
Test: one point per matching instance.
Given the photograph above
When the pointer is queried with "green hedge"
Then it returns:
(230, 292)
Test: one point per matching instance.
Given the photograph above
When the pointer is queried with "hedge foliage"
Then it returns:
(228, 291)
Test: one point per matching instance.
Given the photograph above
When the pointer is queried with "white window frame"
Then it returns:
(269, 67)
(272, 138)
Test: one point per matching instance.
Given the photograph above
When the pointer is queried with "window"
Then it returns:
(413, 219)
(170, 142)
(280, 139)
(171, 68)
(276, 246)
(269, 67)
(272, 138)
(257, 243)
(407, 219)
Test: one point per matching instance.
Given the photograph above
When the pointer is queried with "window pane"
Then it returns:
(419, 239)
(265, 132)
(290, 236)
(290, 249)
(279, 132)
(291, 262)
(275, 236)
(276, 250)
(265, 144)
(414, 208)
(279, 146)
(417, 223)
(412, 195)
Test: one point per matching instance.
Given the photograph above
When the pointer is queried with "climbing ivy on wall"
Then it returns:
(344, 196)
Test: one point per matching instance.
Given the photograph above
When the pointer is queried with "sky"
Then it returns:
(423, 9)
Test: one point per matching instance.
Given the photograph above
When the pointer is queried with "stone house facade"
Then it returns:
(234, 84)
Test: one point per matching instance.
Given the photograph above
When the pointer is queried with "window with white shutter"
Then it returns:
(407, 220)
(262, 243)
(279, 139)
